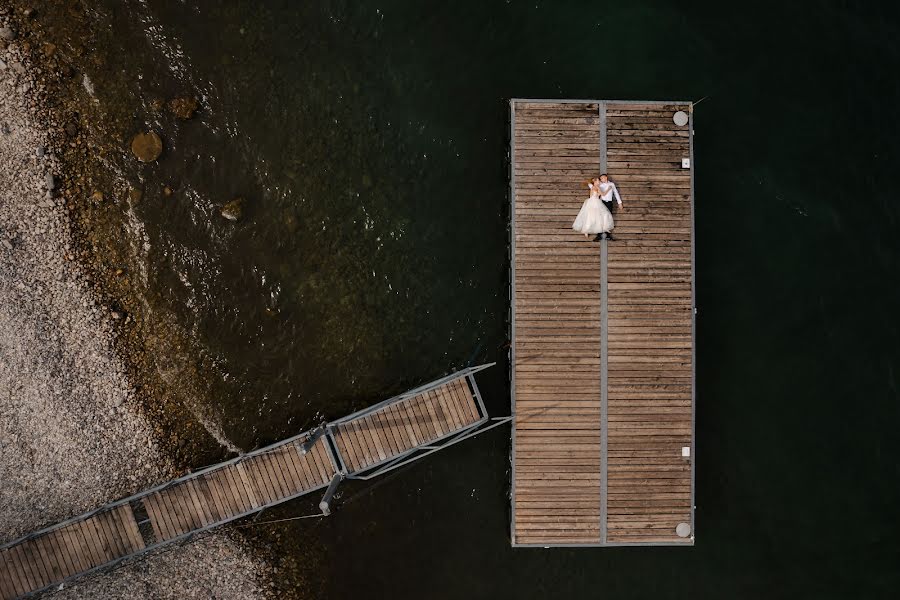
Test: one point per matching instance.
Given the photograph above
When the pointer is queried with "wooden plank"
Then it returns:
(107, 526)
(293, 480)
(313, 465)
(326, 469)
(76, 544)
(56, 572)
(260, 477)
(35, 561)
(288, 458)
(305, 467)
(221, 502)
(397, 428)
(431, 415)
(466, 401)
(8, 587)
(347, 448)
(372, 427)
(175, 511)
(230, 492)
(422, 419)
(444, 423)
(356, 456)
(367, 439)
(406, 406)
(296, 461)
(389, 438)
(407, 419)
(451, 402)
(251, 490)
(63, 555)
(42, 560)
(28, 574)
(160, 530)
(93, 541)
(201, 509)
(18, 578)
(283, 487)
(108, 535)
(162, 518)
(192, 511)
(362, 444)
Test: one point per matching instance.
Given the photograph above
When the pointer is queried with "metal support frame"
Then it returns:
(325, 502)
(412, 455)
(604, 349)
(512, 313)
(311, 440)
(413, 392)
(693, 326)
(141, 495)
(323, 431)
(467, 373)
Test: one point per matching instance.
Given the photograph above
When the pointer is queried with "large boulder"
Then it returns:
(147, 146)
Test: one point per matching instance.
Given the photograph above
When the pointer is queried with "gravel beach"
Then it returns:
(71, 434)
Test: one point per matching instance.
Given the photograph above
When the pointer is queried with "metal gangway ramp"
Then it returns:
(363, 445)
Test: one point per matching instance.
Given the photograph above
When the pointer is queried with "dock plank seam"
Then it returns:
(604, 349)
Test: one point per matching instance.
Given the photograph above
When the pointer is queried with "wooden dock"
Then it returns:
(359, 446)
(602, 354)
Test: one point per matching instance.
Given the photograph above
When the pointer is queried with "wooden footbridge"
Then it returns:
(359, 446)
(602, 352)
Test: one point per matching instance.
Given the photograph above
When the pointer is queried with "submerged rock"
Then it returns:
(147, 146)
(7, 33)
(184, 108)
(233, 210)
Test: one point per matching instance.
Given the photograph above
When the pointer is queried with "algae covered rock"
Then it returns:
(234, 210)
(147, 146)
(184, 108)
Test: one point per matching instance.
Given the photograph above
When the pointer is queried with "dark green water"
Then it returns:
(370, 142)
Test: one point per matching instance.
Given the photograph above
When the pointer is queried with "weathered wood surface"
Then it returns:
(556, 312)
(236, 488)
(650, 374)
(209, 498)
(400, 427)
(557, 320)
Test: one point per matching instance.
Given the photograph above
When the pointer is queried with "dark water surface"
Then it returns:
(370, 143)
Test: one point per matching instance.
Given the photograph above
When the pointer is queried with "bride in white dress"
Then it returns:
(593, 216)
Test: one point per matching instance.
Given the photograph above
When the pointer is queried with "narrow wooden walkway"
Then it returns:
(360, 445)
(602, 353)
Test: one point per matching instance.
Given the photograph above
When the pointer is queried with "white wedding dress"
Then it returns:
(593, 216)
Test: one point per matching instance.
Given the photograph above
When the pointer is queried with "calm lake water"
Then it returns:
(370, 143)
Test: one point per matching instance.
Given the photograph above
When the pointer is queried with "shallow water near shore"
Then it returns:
(370, 144)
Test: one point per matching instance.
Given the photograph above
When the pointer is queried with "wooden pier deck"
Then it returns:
(359, 446)
(602, 355)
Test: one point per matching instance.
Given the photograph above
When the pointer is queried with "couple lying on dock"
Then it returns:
(594, 217)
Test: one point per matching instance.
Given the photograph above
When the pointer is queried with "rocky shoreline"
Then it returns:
(76, 427)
